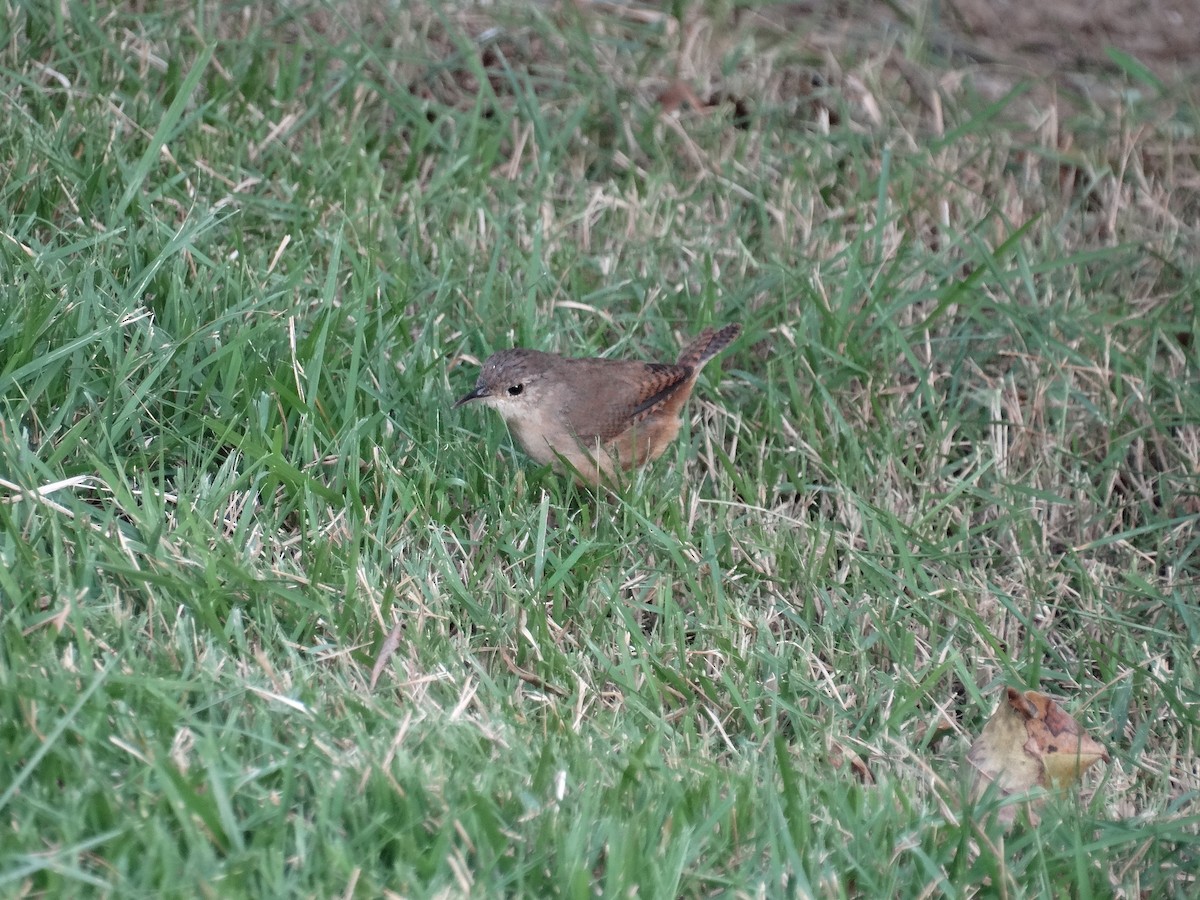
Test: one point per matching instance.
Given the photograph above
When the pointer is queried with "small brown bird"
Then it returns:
(597, 415)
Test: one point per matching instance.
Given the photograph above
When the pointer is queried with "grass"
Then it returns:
(250, 256)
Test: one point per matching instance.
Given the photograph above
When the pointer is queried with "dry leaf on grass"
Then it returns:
(390, 643)
(1029, 743)
(678, 96)
(840, 754)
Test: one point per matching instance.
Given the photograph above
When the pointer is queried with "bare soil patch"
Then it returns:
(1066, 37)
(1076, 34)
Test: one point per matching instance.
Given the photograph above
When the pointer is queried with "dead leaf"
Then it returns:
(390, 643)
(677, 96)
(935, 731)
(840, 754)
(1030, 743)
(530, 677)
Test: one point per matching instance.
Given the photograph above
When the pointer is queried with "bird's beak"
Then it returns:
(479, 391)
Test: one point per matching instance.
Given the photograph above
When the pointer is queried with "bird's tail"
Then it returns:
(708, 344)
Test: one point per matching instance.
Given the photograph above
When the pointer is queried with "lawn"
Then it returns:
(276, 620)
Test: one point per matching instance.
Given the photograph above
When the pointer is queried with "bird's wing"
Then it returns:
(633, 391)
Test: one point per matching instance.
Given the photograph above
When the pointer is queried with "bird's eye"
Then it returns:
(515, 390)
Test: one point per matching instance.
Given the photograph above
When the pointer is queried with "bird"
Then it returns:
(595, 417)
